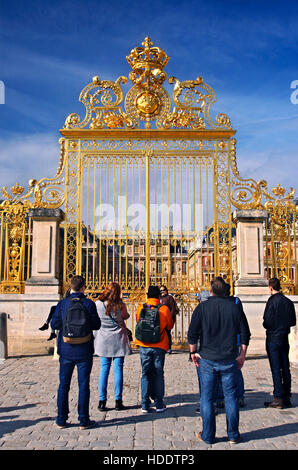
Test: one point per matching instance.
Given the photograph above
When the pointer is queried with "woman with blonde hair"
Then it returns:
(111, 342)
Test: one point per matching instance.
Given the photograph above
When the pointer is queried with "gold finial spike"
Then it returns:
(147, 43)
(278, 190)
(17, 189)
(148, 57)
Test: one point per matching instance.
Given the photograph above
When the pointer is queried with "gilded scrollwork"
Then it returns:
(281, 223)
(193, 99)
(249, 194)
(102, 99)
(46, 193)
(147, 100)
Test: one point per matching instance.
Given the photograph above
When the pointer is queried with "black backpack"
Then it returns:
(148, 327)
(76, 326)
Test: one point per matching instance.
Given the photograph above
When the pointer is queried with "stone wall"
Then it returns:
(254, 306)
(27, 312)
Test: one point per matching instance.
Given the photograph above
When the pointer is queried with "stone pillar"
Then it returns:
(250, 252)
(45, 252)
(293, 337)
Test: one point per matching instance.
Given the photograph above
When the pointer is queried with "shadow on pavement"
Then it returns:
(183, 398)
(272, 431)
(16, 408)
(182, 410)
(8, 427)
(256, 357)
(255, 400)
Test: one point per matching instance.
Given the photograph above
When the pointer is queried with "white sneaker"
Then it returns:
(161, 410)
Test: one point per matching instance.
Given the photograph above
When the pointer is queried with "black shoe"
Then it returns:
(241, 402)
(220, 403)
(45, 326)
(52, 336)
(102, 405)
(119, 405)
(287, 403)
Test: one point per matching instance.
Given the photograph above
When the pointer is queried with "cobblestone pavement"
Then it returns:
(28, 410)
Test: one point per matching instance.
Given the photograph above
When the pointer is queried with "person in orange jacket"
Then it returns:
(152, 354)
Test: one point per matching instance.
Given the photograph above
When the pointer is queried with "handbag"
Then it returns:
(129, 334)
(128, 331)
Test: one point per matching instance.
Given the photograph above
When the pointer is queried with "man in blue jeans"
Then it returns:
(216, 324)
(71, 355)
(152, 355)
(240, 381)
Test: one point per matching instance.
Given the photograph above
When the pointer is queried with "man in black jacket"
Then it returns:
(216, 324)
(279, 316)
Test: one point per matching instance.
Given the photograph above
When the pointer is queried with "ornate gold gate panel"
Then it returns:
(16, 228)
(164, 192)
(281, 247)
(141, 212)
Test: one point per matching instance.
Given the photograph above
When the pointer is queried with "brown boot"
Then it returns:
(276, 403)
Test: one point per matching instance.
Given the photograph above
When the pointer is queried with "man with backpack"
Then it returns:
(75, 317)
(153, 319)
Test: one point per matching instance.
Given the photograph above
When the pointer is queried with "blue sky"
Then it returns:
(246, 51)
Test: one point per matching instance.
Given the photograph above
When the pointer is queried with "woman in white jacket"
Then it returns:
(111, 342)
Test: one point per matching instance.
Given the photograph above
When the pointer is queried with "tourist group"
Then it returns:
(218, 338)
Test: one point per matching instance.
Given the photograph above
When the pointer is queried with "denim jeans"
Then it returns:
(65, 374)
(240, 387)
(152, 380)
(209, 373)
(105, 365)
(278, 355)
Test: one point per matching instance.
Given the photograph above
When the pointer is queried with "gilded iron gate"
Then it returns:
(148, 205)
(144, 214)
(148, 192)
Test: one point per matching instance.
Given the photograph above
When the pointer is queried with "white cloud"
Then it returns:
(25, 157)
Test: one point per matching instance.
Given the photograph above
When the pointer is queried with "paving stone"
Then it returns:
(28, 412)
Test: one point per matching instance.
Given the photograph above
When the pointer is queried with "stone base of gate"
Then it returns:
(28, 312)
(254, 306)
(41, 285)
(251, 287)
